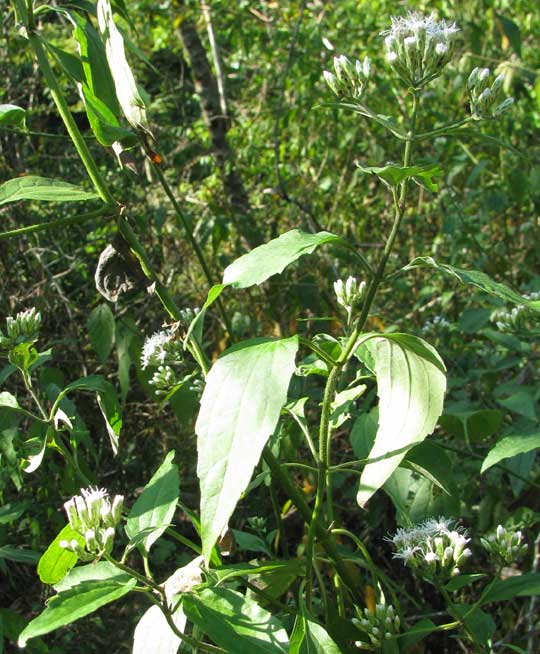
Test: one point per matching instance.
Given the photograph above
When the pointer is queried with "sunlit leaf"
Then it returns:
(245, 391)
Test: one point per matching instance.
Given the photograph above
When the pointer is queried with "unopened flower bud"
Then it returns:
(505, 104)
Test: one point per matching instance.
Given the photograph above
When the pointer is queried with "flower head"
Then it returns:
(348, 80)
(435, 547)
(418, 47)
(94, 517)
(160, 348)
(506, 545)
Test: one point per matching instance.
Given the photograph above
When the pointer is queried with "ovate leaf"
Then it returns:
(56, 561)
(101, 329)
(31, 187)
(272, 258)
(236, 623)
(262, 262)
(73, 604)
(10, 115)
(153, 634)
(392, 174)
(154, 509)
(510, 446)
(411, 383)
(478, 279)
(245, 391)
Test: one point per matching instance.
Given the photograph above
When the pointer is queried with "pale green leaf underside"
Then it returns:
(154, 509)
(510, 446)
(410, 384)
(153, 634)
(245, 391)
(73, 604)
(11, 114)
(236, 623)
(32, 187)
(101, 329)
(478, 279)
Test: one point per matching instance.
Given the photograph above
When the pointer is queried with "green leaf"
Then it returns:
(479, 624)
(240, 407)
(31, 187)
(523, 402)
(431, 461)
(12, 511)
(264, 261)
(101, 329)
(392, 174)
(236, 623)
(126, 88)
(475, 278)
(510, 446)
(155, 507)
(95, 571)
(417, 633)
(457, 583)
(10, 114)
(473, 426)
(18, 554)
(56, 561)
(410, 384)
(153, 634)
(272, 258)
(309, 637)
(73, 604)
(526, 585)
(107, 402)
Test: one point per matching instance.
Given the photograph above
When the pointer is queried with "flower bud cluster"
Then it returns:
(187, 315)
(435, 325)
(349, 80)
(485, 99)
(160, 348)
(418, 47)
(24, 328)
(349, 293)
(505, 545)
(94, 516)
(516, 318)
(383, 623)
(163, 380)
(434, 548)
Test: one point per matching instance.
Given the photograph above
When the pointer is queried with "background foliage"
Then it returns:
(285, 161)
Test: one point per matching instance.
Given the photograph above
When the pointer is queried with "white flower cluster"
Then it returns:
(378, 626)
(349, 293)
(92, 515)
(433, 547)
(485, 100)
(24, 328)
(348, 80)
(418, 47)
(162, 347)
(505, 545)
(516, 318)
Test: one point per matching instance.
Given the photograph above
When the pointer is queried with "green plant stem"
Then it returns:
(324, 481)
(162, 603)
(193, 242)
(52, 224)
(63, 109)
(325, 538)
(103, 190)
